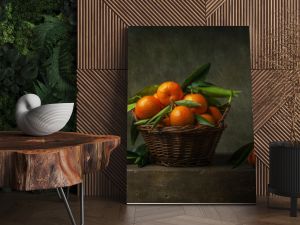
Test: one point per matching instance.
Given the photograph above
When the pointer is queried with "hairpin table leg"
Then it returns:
(293, 210)
(62, 195)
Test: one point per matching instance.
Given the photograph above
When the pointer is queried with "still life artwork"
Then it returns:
(190, 136)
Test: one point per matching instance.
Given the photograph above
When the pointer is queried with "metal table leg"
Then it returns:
(62, 195)
(293, 210)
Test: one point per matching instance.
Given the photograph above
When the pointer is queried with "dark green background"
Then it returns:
(37, 54)
(158, 54)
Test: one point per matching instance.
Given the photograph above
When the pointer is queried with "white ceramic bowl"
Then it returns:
(40, 120)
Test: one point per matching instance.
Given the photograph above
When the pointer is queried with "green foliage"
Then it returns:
(14, 31)
(38, 49)
(32, 10)
(241, 155)
(17, 71)
(53, 43)
(199, 74)
(138, 156)
(7, 118)
(56, 62)
(203, 121)
(149, 90)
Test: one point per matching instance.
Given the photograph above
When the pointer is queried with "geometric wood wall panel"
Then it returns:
(101, 37)
(262, 17)
(102, 68)
(101, 108)
(269, 90)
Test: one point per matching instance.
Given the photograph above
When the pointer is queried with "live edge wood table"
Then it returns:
(52, 162)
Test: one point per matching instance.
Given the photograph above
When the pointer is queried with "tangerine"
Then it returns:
(166, 121)
(169, 91)
(155, 96)
(147, 107)
(208, 117)
(215, 112)
(252, 158)
(181, 116)
(199, 99)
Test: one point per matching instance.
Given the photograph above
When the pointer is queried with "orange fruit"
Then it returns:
(155, 96)
(181, 116)
(208, 117)
(252, 158)
(166, 121)
(147, 107)
(199, 99)
(169, 91)
(215, 112)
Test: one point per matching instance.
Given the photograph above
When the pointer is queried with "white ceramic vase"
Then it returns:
(40, 120)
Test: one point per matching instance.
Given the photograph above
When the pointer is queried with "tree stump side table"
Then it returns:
(55, 161)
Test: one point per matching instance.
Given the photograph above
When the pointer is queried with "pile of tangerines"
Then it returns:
(180, 111)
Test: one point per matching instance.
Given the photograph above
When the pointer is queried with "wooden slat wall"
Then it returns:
(102, 70)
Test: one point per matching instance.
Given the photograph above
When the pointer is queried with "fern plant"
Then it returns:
(54, 43)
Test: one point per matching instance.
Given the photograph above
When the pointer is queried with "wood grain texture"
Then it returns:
(57, 160)
(102, 49)
(44, 209)
(106, 114)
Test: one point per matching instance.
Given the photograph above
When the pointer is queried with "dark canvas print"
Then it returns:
(190, 135)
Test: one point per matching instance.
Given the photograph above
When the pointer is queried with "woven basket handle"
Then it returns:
(225, 113)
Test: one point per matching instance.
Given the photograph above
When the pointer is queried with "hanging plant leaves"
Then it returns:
(197, 75)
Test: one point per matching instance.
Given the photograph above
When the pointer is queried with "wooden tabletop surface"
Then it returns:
(57, 160)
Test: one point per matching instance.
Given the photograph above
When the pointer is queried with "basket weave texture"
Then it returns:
(182, 146)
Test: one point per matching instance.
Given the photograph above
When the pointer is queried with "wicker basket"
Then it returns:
(183, 146)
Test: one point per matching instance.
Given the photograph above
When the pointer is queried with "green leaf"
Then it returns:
(241, 154)
(134, 133)
(48, 33)
(130, 107)
(214, 91)
(141, 122)
(163, 112)
(149, 90)
(137, 160)
(188, 103)
(142, 150)
(133, 99)
(200, 83)
(197, 75)
(203, 121)
(54, 48)
(131, 156)
(157, 120)
(213, 101)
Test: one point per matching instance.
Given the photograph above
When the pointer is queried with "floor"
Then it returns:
(45, 209)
